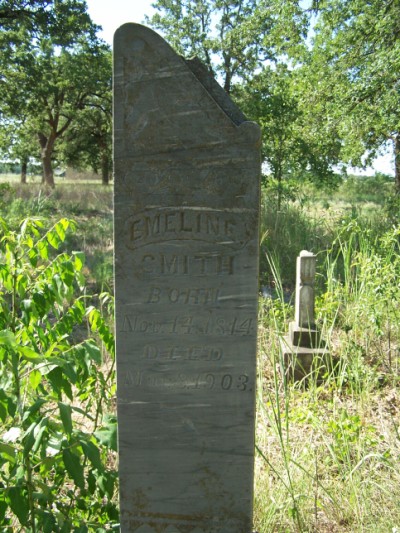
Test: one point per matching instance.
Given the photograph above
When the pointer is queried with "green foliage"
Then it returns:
(50, 74)
(352, 72)
(285, 233)
(327, 452)
(292, 150)
(229, 36)
(56, 387)
(61, 21)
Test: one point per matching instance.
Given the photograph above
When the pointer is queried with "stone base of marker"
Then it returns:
(305, 337)
(304, 354)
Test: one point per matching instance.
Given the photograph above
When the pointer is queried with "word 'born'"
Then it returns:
(174, 295)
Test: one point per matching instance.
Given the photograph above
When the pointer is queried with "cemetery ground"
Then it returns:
(327, 453)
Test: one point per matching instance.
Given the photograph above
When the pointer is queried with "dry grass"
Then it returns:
(328, 455)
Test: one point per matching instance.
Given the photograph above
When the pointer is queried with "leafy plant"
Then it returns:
(56, 385)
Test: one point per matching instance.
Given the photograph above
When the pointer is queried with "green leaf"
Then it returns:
(33, 257)
(92, 453)
(79, 260)
(74, 468)
(68, 389)
(7, 451)
(93, 351)
(68, 273)
(39, 433)
(65, 414)
(3, 410)
(106, 482)
(3, 405)
(35, 377)
(53, 239)
(7, 339)
(18, 501)
(29, 355)
(107, 435)
(40, 302)
(61, 227)
(56, 378)
(43, 249)
(91, 481)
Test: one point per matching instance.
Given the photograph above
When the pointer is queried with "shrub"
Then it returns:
(56, 385)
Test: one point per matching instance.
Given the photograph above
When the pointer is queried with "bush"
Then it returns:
(56, 386)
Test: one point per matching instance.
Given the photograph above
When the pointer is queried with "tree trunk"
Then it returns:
(47, 145)
(24, 170)
(48, 174)
(278, 176)
(105, 169)
(397, 162)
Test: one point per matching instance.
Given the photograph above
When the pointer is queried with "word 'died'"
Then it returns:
(201, 264)
(185, 224)
(182, 353)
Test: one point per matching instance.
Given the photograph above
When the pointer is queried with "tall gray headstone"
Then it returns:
(187, 168)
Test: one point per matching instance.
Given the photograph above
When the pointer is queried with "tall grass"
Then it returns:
(89, 204)
(328, 453)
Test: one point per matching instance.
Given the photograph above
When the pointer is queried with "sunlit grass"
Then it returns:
(327, 453)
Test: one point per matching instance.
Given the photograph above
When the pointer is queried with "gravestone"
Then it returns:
(187, 167)
(303, 349)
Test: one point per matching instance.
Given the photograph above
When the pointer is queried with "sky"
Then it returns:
(110, 14)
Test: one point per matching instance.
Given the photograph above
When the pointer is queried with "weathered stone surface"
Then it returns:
(305, 363)
(186, 203)
(305, 297)
(304, 351)
(305, 337)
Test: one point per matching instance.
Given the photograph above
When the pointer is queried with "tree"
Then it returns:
(61, 20)
(229, 36)
(17, 142)
(353, 75)
(50, 73)
(88, 141)
(292, 148)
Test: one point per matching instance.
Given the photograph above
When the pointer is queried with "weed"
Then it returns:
(55, 390)
(327, 453)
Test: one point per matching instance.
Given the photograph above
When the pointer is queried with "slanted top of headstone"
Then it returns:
(185, 107)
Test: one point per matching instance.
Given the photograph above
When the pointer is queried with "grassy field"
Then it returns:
(327, 457)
